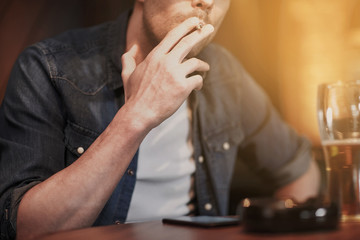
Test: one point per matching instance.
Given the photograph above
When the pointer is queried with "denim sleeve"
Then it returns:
(31, 135)
(272, 149)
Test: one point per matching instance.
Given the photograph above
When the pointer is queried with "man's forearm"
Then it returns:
(74, 197)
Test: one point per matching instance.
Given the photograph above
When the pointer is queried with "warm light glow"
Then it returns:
(292, 46)
(289, 203)
(246, 202)
(321, 212)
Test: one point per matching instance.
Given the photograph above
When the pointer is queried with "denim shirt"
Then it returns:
(64, 91)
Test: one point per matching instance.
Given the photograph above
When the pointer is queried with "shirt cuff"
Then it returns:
(15, 200)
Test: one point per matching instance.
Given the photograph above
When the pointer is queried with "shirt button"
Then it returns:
(201, 159)
(226, 146)
(208, 206)
(80, 150)
(117, 222)
(130, 172)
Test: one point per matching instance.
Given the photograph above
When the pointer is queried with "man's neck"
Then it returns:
(136, 34)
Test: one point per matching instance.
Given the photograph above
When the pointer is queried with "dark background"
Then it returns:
(23, 22)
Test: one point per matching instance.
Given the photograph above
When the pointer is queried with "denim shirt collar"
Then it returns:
(116, 38)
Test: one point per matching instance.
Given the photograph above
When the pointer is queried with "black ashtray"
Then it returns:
(271, 215)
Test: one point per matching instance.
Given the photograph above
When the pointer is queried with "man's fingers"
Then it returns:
(194, 65)
(195, 81)
(186, 44)
(128, 63)
(176, 34)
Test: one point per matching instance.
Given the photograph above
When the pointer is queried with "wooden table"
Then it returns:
(156, 230)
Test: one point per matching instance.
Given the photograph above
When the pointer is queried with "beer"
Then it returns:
(343, 182)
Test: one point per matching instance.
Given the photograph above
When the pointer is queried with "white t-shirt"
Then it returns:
(165, 166)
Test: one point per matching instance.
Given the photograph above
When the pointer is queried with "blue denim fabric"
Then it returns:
(64, 91)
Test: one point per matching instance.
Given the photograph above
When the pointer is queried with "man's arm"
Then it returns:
(73, 197)
(304, 187)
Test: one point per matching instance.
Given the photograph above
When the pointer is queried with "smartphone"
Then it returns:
(203, 221)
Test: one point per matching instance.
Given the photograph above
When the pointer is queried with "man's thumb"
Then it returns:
(128, 63)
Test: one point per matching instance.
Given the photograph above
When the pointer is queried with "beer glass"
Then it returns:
(338, 111)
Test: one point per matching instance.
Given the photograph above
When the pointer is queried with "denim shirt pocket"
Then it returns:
(77, 140)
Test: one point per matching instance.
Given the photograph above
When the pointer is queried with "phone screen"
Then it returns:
(203, 221)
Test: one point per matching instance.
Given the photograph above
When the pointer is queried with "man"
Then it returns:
(76, 113)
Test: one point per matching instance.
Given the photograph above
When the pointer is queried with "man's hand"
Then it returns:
(161, 83)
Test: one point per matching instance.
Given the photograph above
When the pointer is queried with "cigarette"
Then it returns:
(200, 26)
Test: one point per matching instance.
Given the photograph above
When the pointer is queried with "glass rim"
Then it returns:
(339, 83)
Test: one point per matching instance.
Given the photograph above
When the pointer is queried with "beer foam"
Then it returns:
(349, 141)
